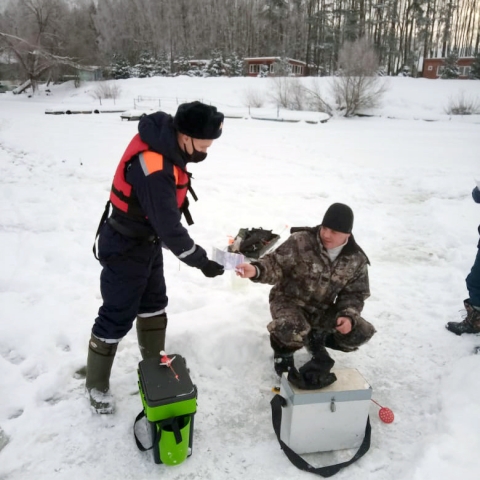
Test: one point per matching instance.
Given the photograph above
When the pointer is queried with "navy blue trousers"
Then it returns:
(473, 282)
(131, 282)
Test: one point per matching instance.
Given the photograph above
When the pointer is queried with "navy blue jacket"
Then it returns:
(476, 194)
(476, 197)
(157, 192)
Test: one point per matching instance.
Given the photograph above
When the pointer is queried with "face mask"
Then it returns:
(195, 156)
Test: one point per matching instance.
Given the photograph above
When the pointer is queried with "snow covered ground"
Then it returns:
(408, 181)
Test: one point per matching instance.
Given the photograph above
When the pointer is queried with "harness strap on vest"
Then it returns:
(192, 192)
(118, 227)
(190, 189)
(184, 209)
(106, 212)
(129, 233)
(186, 212)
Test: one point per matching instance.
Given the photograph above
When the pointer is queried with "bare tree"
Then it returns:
(287, 92)
(79, 36)
(316, 98)
(105, 90)
(462, 104)
(31, 31)
(358, 85)
(253, 98)
(34, 60)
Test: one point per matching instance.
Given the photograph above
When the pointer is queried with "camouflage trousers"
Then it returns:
(293, 326)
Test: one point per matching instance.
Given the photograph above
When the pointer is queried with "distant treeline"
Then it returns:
(94, 32)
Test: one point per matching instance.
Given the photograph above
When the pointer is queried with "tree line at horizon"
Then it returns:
(44, 36)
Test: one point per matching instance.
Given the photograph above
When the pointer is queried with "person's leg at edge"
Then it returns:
(471, 323)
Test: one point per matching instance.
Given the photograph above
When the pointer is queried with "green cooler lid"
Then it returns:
(159, 384)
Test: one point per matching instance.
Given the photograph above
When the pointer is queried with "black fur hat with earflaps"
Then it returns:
(198, 120)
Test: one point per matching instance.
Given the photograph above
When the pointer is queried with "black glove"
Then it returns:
(212, 269)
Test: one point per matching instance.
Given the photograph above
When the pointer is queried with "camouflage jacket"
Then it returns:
(301, 270)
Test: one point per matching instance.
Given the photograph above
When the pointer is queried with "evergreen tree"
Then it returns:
(162, 65)
(450, 69)
(119, 68)
(264, 70)
(146, 65)
(282, 68)
(182, 65)
(351, 27)
(198, 71)
(235, 65)
(216, 67)
(475, 70)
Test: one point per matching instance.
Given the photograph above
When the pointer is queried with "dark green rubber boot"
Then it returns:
(151, 335)
(99, 365)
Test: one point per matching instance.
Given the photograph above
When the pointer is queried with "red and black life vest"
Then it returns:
(122, 195)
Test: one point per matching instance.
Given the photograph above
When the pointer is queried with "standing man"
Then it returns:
(148, 197)
(471, 324)
(320, 280)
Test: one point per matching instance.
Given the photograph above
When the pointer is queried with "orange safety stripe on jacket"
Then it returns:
(153, 162)
(122, 195)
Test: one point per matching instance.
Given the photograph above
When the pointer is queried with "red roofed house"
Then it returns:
(253, 66)
(433, 67)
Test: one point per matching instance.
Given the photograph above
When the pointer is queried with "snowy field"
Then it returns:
(408, 181)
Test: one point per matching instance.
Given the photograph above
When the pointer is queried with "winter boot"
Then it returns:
(151, 335)
(282, 362)
(282, 357)
(316, 341)
(99, 365)
(316, 372)
(471, 324)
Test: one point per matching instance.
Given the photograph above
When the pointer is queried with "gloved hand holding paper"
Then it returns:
(227, 259)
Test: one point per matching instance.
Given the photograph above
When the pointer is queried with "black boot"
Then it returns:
(282, 357)
(99, 366)
(282, 362)
(471, 324)
(311, 376)
(316, 341)
(151, 335)
(459, 328)
(315, 373)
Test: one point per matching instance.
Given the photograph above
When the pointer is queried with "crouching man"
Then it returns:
(320, 282)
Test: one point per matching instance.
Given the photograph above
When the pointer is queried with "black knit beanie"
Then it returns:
(338, 217)
(198, 120)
